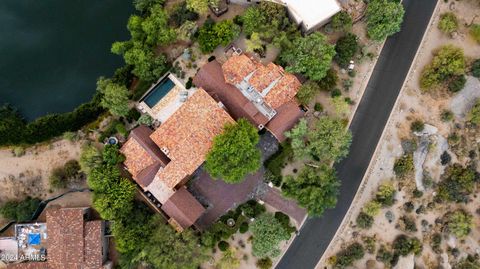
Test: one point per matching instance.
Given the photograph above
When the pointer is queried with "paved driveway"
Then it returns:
(367, 126)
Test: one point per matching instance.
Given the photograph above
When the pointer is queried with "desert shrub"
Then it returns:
(445, 158)
(62, 176)
(448, 61)
(265, 263)
(417, 193)
(349, 255)
(458, 223)
(364, 221)
(189, 83)
(457, 83)
(369, 243)
(223, 245)
(385, 194)
(474, 114)
(446, 115)
(453, 139)
(404, 245)
(475, 32)
(372, 208)
(408, 207)
(342, 21)
(318, 107)
(20, 211)
(457, 183)
(335, 93)
(409, 224)
(403, 165)
(448, 23)
(417, 126)
(329, 81)
(18, 151)
(476, 68)
(436, 242)
(385, 256)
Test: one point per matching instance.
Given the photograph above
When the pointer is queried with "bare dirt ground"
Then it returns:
(28, 175)
(414, 104)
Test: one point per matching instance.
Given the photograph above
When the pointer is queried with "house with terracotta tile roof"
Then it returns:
(71, 240)
(162, 161)
(263, 94)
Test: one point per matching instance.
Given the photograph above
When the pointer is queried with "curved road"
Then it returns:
(367, 127)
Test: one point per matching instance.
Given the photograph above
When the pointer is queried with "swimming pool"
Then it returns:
(158, 92)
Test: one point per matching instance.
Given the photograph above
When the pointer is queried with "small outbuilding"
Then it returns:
(311, 14)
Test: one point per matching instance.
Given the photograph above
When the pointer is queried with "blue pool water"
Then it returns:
(157, 93)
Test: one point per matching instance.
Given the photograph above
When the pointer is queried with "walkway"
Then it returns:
(367, 127)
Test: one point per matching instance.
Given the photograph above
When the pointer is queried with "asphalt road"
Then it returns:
(367, 127)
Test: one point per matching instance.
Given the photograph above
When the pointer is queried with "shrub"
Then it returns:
(385, 256)
(133, 115)
(189, 83)
(277, 162)
(346, 48)
(417, 126)
(476, 68)
(436, 242)
(223, 245)
(403, 166)
(409, 224)
(307, 91)
(458, 182)
(349, 255)
(18, 151)
(265, 263)
(336, 93)
(318, 107)
(145, 119)
(448, 61)
(364, 221)
(385, 194)
(121, 129)
(403, 245)
(329, 81)
(70, 136)
(20, 211)
(372, 208)
(457, 83)
(285, 221)
(446, 115)
(243, 227)
(445, 158)
(474, 114)
(475, 32)
(458, 223)
(408, 207)
(62, 176)
(448, 23)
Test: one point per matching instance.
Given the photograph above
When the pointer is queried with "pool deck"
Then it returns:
(169, 103)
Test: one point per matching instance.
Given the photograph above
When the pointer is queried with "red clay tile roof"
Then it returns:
(283, 91)
(210, 77)
(188, 136)
(183, 208)
(72, 241)
(265, 75)
(287, 116)
(238, 67)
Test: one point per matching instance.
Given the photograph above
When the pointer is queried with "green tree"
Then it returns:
(90, 157)
(326, 141)
(267, 233)
(342, 108)
(252, 20)
(384, 18)
(342, 22)
(156, 29)
(307, 91)
(144, 5)
(20, 211)
(254, 43)
(315, 189)
(329, 82)
(310, 55)
(474, 114)
(447, 61)
(170, 250)
(229, 260)
(199, 6)
(448, 23)
(145, 119)
(234, 154)
(457, 183)
(349, 255)
(212, 34)
(12, 125)
(115, 96)
(458, 223)
(346, 48)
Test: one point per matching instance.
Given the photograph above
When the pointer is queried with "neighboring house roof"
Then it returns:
(187, 136)
(277, 86)
(183, 208)
(210, 77)
(73, 242)
(311, 13)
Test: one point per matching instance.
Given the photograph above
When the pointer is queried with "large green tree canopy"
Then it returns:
(115, 96)
(384, 18)
(234, 153)
(267, 232)
(315, 189)
(310, 55)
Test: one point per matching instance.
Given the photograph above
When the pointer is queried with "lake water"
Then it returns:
(52, 51)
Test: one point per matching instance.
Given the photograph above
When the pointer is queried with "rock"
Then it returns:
(390, 216)
(452, 241)
(444, 261)
(419, 157)
(464, 100)
(371, 264)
